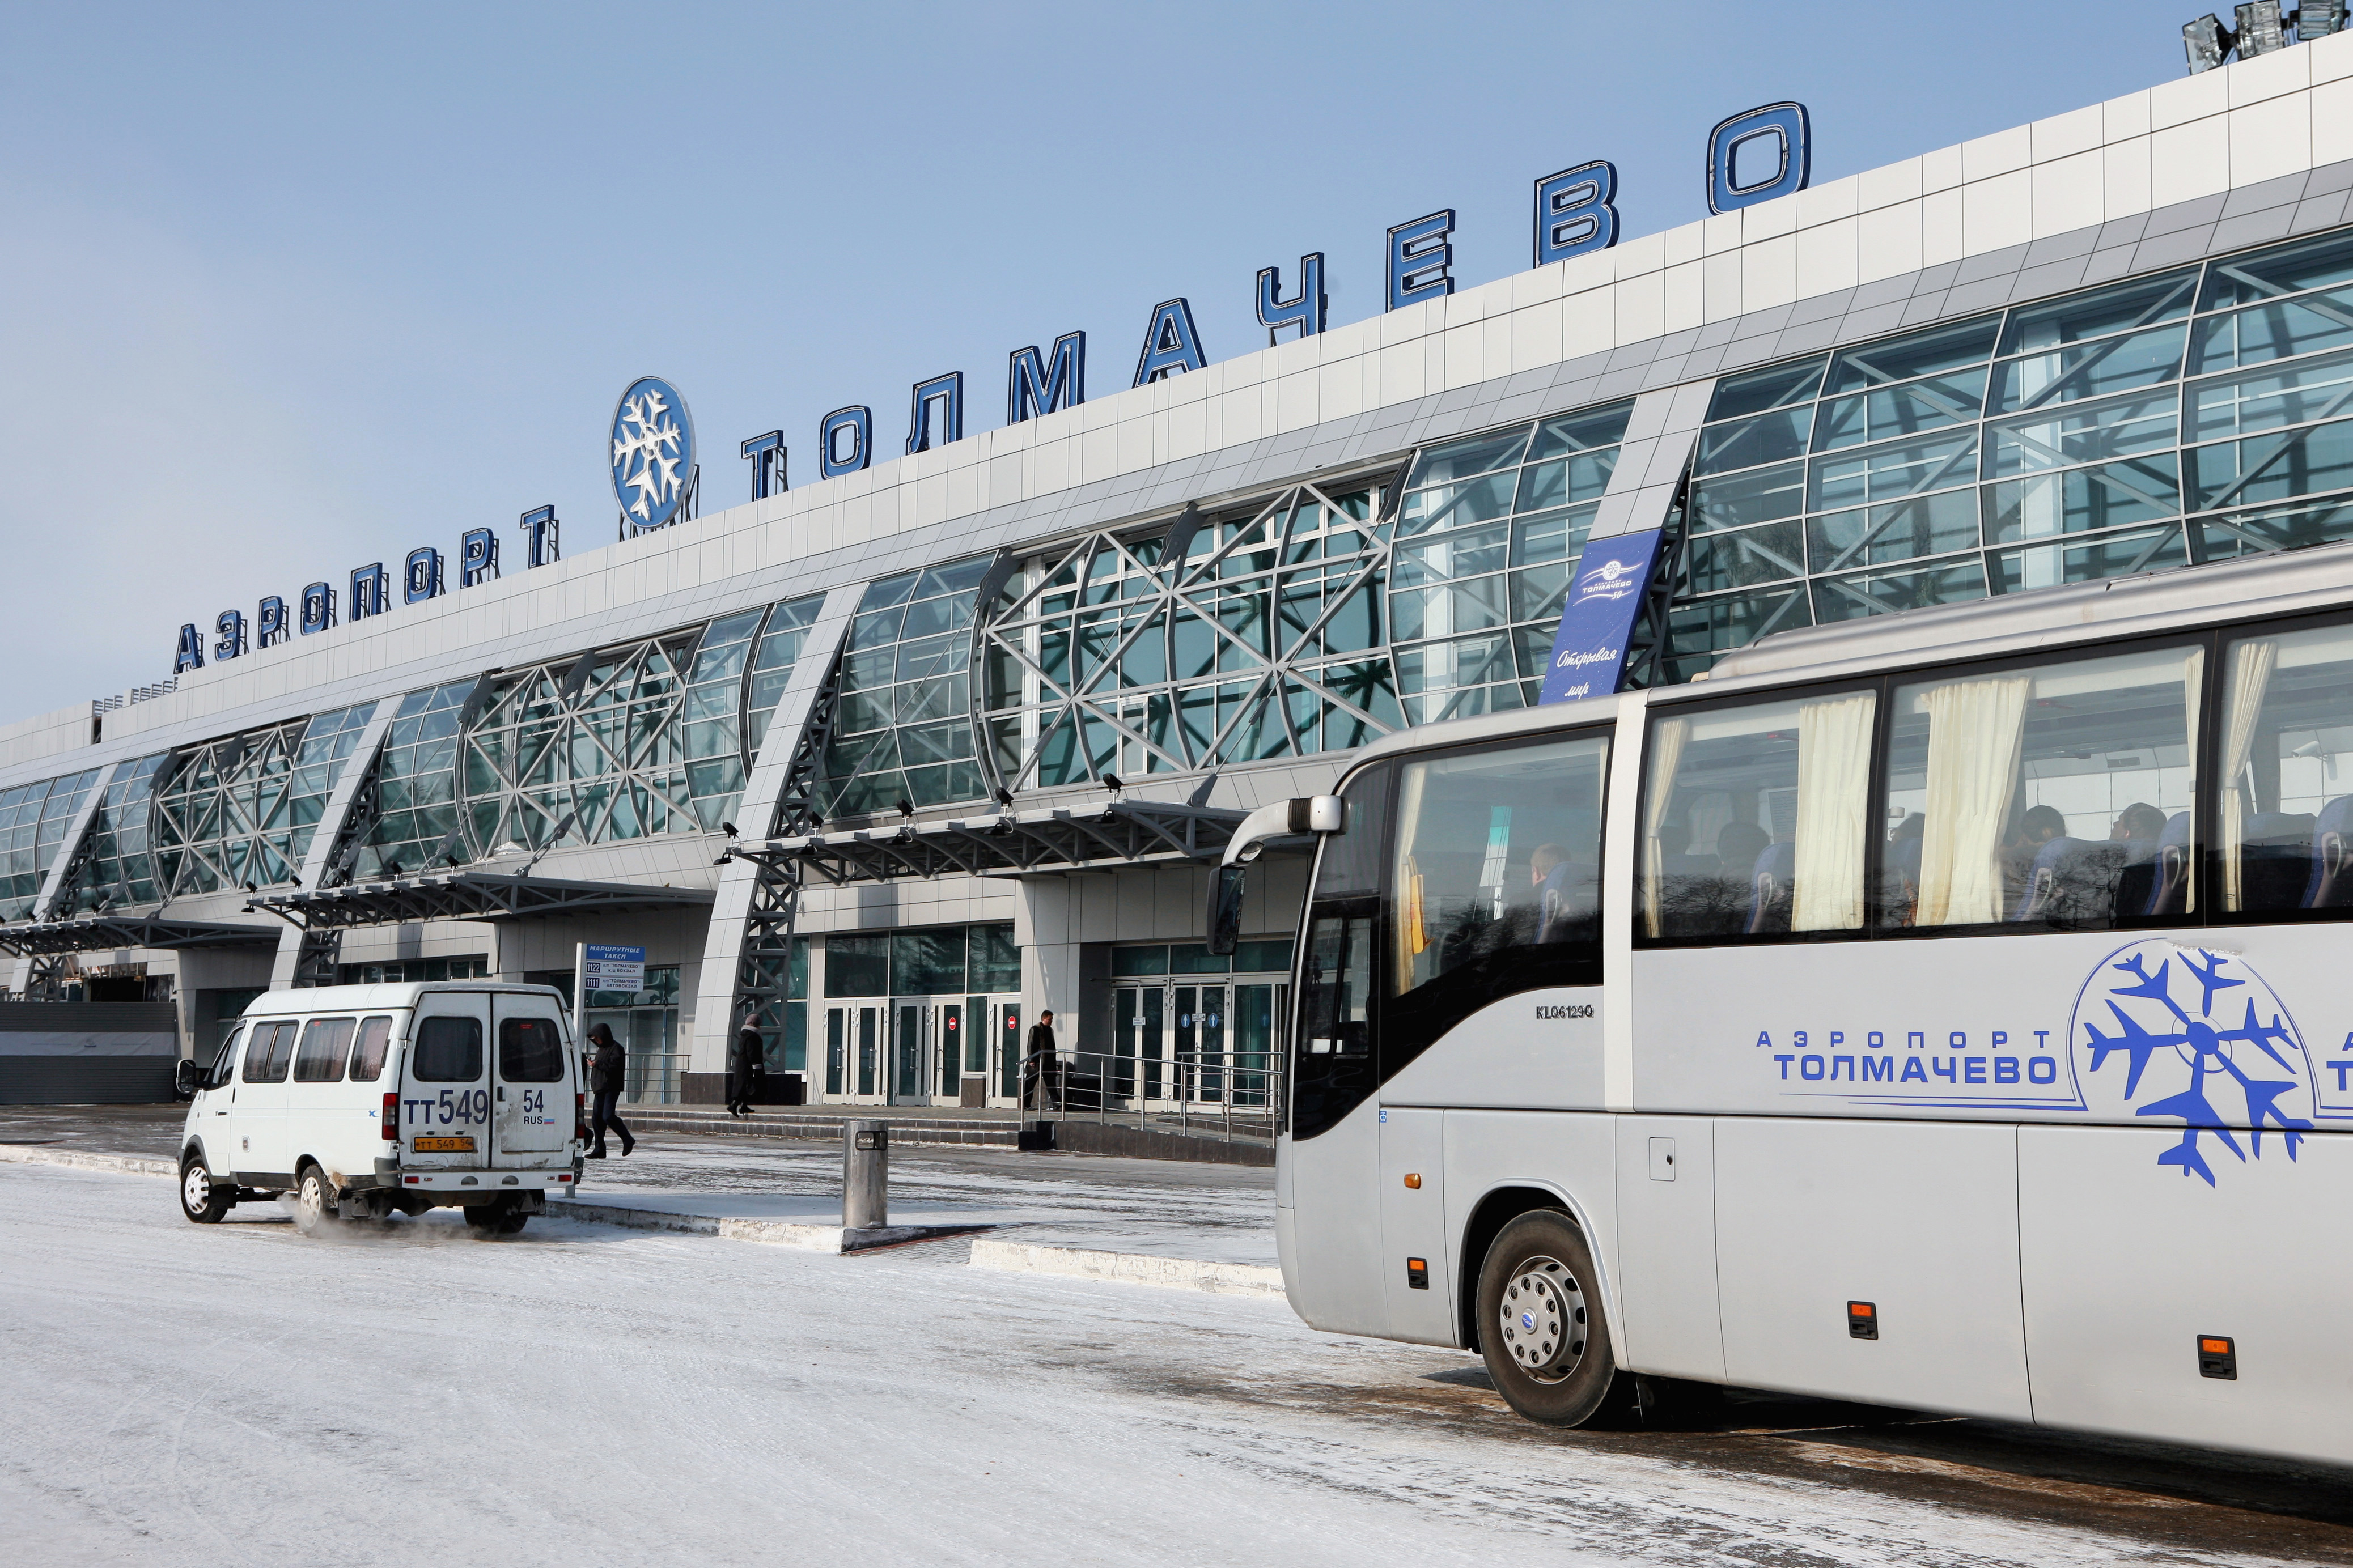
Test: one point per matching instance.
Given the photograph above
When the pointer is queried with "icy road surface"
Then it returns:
(581, 1394)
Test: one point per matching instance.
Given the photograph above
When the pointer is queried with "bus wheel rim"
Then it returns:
(1543, 1319)
(196, 1188)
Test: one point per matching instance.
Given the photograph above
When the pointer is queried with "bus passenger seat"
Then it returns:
(2072, 879)
(2171, 886)
(2329, 887)
(2275, 860)
(1771, 887)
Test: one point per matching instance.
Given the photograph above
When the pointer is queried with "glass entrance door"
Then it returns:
(1141, 1013)
(1200, 1041)
(909, 1042)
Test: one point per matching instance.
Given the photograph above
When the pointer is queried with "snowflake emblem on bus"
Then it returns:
(653, 452)
(2203, 1032)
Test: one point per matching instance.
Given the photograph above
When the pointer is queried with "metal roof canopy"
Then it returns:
(1011, 844)
(469, 896)
(100, 934)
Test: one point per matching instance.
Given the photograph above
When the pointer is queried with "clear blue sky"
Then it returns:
(290, 289)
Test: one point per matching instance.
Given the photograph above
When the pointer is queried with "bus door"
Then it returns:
(531, 1101)
(258, 1106)
(445, 1090)
(1416, 1272)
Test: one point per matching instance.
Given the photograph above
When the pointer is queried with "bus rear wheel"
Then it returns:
(314, 1202)
(1541, 1325)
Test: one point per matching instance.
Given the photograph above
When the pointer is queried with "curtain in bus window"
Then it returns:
(1756, 819)
(325, 1041)
(2287, 804)
(1498, 854)
(1974, 727)
(1833, 796)
(2060, 796)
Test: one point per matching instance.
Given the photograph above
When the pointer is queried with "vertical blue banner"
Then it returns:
(1589, 652)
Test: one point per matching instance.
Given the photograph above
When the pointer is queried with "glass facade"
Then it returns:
(240, 812)
(1488, 534)
(933, 961)
(120, 872)
(416, 783)
(2192, 415)
(33, 818)
(903, 719)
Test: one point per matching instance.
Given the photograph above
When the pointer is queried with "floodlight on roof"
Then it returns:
(2318, 18)
(2207, 41)
(2261, 28)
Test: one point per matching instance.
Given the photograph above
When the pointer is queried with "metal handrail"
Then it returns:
(1230, 1093)
(655, 1078)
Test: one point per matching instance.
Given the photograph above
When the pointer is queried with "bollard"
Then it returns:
(865, 1175)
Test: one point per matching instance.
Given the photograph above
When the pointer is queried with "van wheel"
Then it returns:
(314, 1202)
(202, 1199)
(1541, 1325)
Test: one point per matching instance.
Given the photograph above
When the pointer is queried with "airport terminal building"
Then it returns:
(889, 762)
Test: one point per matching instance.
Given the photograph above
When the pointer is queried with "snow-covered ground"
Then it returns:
(584, 1394)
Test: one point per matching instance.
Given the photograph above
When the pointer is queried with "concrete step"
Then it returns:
(997, 1131)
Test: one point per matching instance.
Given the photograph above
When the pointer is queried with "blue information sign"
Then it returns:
(606, 968)
(1589, 652)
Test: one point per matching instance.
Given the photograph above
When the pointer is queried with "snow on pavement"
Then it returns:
(407, 1394)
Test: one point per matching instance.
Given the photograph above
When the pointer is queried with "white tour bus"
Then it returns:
(1945, 1010)
(364, 1100)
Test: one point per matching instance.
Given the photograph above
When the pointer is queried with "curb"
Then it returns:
(1129, 1269)
(773, 1233)
(122, 1164)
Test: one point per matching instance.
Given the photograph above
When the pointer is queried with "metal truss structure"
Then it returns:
(1030, 843)
(105, 933)
(466, 896)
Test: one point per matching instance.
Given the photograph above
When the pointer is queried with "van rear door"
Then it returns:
(532, 1108)
(445, 1090)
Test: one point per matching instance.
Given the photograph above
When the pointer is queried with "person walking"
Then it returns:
(1041, 1064)
(743, 1064)
(606, 1069)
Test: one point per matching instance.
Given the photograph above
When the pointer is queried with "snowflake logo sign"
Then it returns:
(2197, 1037)
(653, 452)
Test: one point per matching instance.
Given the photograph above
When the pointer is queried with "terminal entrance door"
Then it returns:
(913, 1041)
(1176, 1040)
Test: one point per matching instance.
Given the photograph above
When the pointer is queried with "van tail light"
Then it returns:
(392, 1116)
(580, 1117)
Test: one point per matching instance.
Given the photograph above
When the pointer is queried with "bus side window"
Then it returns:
(225, 1059)
(2053, 794)
(369, 1052)
(268, 1053)
(325, 1042)
(1339, 981)
(2287, 801)
(1753, 819)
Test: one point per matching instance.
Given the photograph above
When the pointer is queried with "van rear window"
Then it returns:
(449, 1050)
(367, 1057)
(321, 1059)
(530, 1051)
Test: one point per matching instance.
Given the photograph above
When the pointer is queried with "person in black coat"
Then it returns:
(744, 1060)
(1040, 1072)
(607, 1070)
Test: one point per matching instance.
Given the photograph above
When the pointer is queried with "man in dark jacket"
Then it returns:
(1041, 1078)
(743, 1064)
(607, 1070)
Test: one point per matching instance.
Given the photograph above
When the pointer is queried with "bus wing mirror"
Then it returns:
(1226, 909)
(184, 1077)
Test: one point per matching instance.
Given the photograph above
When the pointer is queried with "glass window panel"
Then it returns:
(2297, 393)
(2143, 302)
(326, 1042)
(2233, 534)
(1498, 861)
(876, 628)
(2080, 433)
(1930, 352)
(1699, 629)
(1454, 505)
(2287, 801)
(1900, 411)
(1262, 957)
(928, 963)
(1584, 432)
(1130, 961)
(2082, 500)
(1193, 958)
(1766, 438)
(1463, 459)
(2045, 794)
(2077, 372)
(1466, 553)
(447, 1050)
(2118, 554)
(1860, 593)
(1746, 499)
(2275, 331)
(885, 592)
(2271, 468)
(1766, 554)
(2282, 269)
(858, 966)
(1928, 525)
(1775, 386)
(1755, 819)
(1900, 468)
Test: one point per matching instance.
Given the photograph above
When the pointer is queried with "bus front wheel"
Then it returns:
(1541, 1325)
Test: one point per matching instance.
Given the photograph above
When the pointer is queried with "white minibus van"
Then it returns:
(364, 1100)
